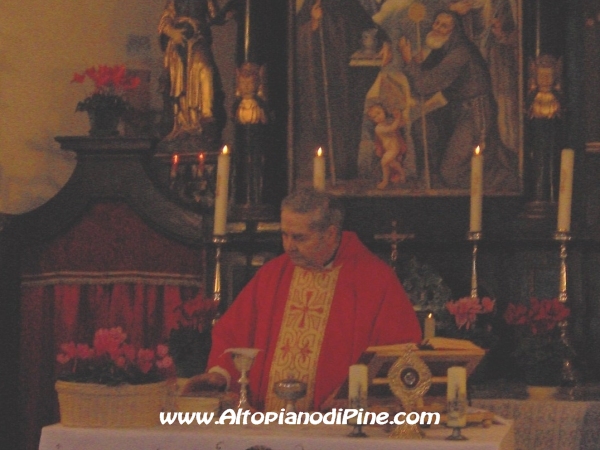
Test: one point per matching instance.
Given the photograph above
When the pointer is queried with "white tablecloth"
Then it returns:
(275, 437)
(550, 424)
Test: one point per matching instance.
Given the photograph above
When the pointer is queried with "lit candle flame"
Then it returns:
(478, 150)
(320, 152)
(175, 158)
(430, 315)
(225, 150)
(201, 157)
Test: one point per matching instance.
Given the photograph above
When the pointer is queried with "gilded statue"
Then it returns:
(249, 107)
(186, 38)
(545, 87)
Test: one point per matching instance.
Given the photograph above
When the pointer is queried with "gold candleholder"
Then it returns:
(218, 241)
(475, 237)
(568, 372)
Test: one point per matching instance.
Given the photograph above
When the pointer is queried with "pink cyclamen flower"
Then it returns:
(165, 362)
(84, 351)
(162, 350)
(145, 359)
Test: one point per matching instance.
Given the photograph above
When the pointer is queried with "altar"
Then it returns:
(499, 436)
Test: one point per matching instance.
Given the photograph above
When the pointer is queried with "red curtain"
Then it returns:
(110, 269)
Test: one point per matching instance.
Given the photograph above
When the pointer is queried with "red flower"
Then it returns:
(145, 359)
(109, 341)
(466, 309)
(108, 80)
(516, 314)
(541, 316)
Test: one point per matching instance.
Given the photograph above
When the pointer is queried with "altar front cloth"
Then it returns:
(499, 436)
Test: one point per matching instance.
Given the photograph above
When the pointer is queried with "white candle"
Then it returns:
(222, 193)
(358, 382)
(565, 193)
(476, 190)
(429, 328)
(456, 395)
(319, 170)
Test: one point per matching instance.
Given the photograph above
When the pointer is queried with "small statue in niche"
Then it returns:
(250, 104)
(545, 87)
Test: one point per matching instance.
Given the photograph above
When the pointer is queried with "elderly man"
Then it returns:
(454, 66)
(313, 310)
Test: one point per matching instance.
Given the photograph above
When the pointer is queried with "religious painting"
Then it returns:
(398, 94)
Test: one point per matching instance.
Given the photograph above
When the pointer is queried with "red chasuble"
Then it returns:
(368, 307)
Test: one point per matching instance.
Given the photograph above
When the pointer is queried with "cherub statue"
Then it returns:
(545, 87)
(249, 107)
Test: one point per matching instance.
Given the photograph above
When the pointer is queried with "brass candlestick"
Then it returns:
(568, 373)
(475, 237)
(219, 241)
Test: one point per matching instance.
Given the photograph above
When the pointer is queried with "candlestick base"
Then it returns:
(457, 435)
(357, 432)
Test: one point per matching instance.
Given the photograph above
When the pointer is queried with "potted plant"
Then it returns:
(112, 383)
(106, 104)
(539, 351)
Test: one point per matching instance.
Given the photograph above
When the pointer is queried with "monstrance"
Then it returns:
(409, 379)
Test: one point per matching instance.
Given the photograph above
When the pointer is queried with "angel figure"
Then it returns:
(249, 107)
(545, 87)
(390, 145)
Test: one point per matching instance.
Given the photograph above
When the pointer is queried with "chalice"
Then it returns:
(290, 390)
(243, 358)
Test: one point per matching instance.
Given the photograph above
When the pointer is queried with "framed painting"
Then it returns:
(399, 93)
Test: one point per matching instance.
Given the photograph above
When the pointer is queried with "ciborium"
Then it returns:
(290, 390)
(243, 358)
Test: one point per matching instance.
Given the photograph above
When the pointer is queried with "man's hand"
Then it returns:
(316, 14)
(405, 49)
(462, 7)
(205, 382)
(177, 36)
(386, 54)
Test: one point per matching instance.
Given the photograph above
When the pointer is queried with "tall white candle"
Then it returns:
(358, 382)
(222, 193)
(319, 170)
(565, 193)
(429, 328)
(476, 190)
(456, 396)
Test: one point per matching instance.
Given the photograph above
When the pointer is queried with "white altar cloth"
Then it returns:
(499, 436)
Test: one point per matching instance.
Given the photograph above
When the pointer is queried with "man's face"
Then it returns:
(440, 31)
(305, 246)
(443, 25)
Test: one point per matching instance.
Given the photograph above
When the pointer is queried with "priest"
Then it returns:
(311, 311)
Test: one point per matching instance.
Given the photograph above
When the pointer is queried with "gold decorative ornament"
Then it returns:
(409, 379)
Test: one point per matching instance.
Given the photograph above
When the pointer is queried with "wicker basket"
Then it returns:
(98, 405)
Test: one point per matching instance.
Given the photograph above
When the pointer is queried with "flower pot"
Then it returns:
(541, 392)
(98, 405)
(104, 122)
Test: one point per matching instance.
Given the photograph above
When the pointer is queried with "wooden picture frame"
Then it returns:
(340, 86)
